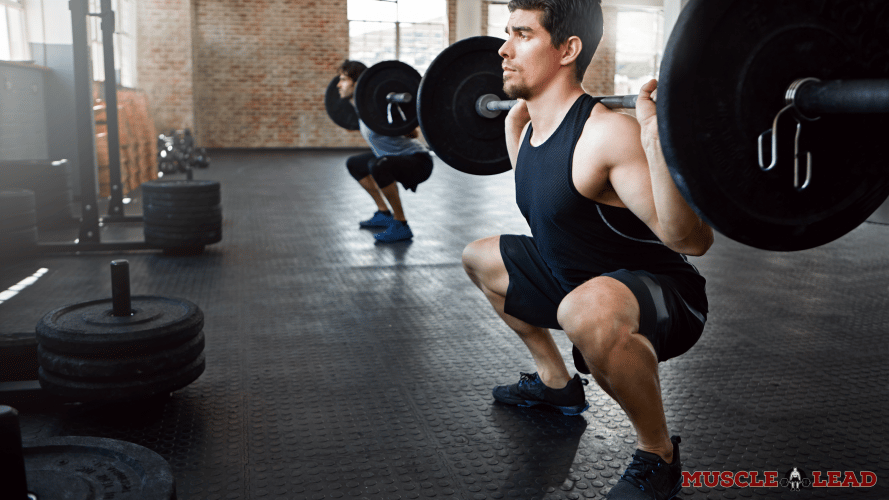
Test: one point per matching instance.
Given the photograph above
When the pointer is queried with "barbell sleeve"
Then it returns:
(500, 105)
(813, 97)
(399, 97)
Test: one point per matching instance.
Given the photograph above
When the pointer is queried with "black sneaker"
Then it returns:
(649, 478)
(530, 391)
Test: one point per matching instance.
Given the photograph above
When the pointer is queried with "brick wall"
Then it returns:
(452, 21)
(261, 71)
(599, 76)
(164, 62)
(253, 74)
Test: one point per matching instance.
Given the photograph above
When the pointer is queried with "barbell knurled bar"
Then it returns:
(810, 96)
(490, 105)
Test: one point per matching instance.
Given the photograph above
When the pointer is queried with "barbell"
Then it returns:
(770, 114)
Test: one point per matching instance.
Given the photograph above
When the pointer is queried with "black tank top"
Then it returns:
(578, 237)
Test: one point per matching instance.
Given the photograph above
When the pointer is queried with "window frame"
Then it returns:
(397, 23)
(8, 7)
(125, 63)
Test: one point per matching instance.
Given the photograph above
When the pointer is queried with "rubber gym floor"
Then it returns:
(341, 368)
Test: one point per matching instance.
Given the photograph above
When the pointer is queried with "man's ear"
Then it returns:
(571, 50)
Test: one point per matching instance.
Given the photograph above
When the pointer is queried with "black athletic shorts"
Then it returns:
(534, 295)
(409, 170)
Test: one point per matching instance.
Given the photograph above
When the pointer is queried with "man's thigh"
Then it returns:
(654, 308)
(534, 294)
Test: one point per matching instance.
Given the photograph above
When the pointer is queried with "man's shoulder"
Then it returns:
(609, 131)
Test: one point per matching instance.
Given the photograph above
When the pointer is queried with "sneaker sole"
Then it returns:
(394, 241)
(571, 411)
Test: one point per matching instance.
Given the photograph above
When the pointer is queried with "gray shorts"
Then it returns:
(667, 320)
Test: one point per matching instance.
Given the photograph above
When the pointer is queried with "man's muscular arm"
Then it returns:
(681, 228)
(516, 122)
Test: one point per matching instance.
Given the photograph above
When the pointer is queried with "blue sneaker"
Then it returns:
(531, 391)
(379, 219)
(397, 231)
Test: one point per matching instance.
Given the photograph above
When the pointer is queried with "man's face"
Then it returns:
(529, 59)
(346, 86)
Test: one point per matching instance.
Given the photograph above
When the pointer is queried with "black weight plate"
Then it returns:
(17, 200)
(18, 356)
(90, 328)
(172, 239)
(187, 200)
(338, 109)
(18, 242)
(89, 468)
(190, 224)
(122, 366)
(450, 88)
(371, 90)
(210, 229)
(121, 390)
(179, 187)
(723, 79)
(167, 213)
(15, 222)
(17, 210)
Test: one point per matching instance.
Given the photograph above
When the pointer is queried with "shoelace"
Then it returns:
(639, 470)
(527, 378)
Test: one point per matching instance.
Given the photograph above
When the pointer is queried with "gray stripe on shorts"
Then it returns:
(657, 294)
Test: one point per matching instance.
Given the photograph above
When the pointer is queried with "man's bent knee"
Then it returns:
(482, 262)
(597, 320)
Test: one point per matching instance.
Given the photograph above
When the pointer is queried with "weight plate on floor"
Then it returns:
(120, 366)
(166, 213)
(458, 76)
(371, 90)
(91, 328)
(121, 390)
(18, 241)
(338, 109)
(181, 200)
(89, 468)
(179, 187)
(18, 210)
(173, 239)
(184, 224)
(725, 72)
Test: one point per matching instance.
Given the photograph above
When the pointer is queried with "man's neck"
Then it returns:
(548, 108)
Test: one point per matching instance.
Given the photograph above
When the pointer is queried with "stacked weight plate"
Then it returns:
(18, 222)
(95, 351)
(182, 215)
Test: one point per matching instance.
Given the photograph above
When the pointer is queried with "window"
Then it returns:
(13, 39)
(640, 38)
(498, 16)
(411, 31)
(124, 41)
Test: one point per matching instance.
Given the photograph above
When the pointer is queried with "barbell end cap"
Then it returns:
(481, 106)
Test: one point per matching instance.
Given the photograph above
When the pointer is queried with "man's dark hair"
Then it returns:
(352, 69)
(566, 18)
